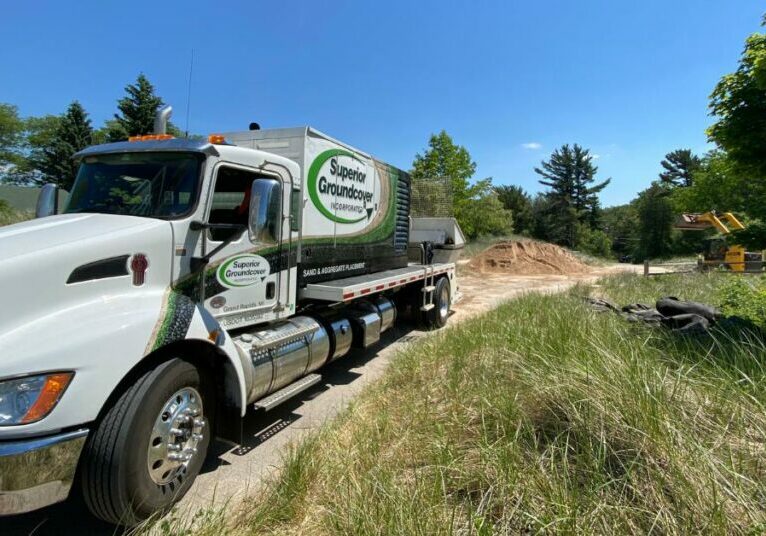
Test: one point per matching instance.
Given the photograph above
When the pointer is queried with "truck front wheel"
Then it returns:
(148, 448)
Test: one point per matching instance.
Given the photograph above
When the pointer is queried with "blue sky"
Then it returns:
(509, 80)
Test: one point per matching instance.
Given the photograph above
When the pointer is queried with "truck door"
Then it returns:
(242, 281)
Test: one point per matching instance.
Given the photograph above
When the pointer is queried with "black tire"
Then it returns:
(437, 317)
(116, 481)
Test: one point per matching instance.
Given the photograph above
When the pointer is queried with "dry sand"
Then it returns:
(527, 258)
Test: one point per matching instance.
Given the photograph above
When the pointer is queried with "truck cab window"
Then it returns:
(153, 185)
(231, 200)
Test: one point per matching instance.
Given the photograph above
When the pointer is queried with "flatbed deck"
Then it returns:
(347, 289)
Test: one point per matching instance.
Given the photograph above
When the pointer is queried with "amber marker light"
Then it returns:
(55, 385)
(216, 139)
(150, 137)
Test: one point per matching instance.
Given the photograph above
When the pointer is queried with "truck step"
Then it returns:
(427, 307)
(429, 288)
(287, 392)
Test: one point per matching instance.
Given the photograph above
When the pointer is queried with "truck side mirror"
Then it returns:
(265, 222)
(47, 201)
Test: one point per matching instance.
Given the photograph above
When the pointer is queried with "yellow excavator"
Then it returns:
(719, 252)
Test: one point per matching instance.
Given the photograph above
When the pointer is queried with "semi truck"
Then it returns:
(184, 283)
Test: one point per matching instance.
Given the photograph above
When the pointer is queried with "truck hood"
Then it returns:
(38, 257)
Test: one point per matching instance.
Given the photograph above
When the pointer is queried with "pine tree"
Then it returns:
(679, 167)
(655, 214)
(53, 160)
(570, 174)
(515, 199)
(137, 111)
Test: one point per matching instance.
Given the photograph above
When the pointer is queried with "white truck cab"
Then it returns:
(184, 283)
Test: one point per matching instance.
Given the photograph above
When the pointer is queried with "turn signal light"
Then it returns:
(147, 137)
(54, 387)
(216, 139)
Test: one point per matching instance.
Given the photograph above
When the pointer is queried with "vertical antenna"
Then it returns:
(188, 92)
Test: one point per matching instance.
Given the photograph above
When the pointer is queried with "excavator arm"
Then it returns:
(699, 222)
(720, 251)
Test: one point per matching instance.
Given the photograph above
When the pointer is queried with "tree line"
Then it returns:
(567, 213)
(729, 178)
(38, 150)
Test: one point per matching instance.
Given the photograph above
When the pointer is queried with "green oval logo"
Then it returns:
(243, 271)
(341, 186)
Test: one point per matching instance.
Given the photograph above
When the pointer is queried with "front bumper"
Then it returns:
(38, 472)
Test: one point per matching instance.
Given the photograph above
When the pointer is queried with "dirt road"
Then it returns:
(232, 473)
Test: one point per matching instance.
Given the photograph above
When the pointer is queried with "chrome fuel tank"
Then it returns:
(284, 352)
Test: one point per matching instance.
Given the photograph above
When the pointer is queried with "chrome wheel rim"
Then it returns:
(177, 432)
(444, 302)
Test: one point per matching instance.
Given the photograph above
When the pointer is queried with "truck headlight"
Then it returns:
(29, 399)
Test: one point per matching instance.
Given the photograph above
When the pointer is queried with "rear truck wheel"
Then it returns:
(148, 448)
(437, 317)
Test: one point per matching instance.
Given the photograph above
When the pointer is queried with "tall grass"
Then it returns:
(542, 416)
(9, 215)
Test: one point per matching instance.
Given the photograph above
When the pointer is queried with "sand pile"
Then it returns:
(527, 258)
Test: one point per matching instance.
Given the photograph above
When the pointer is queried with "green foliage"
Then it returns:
(717, 185)
(137, 111)
(52, 157)
(656, 218)
(739, 104)
(679, 167)
(11, 138)
(744, 297)
(542, 227)
(484, 215)
(39, 132)
(476, 206)
(9, 215)
(515, 199)
(444, 158)
(753, 237)
(570, 174)
(593, 241)
(621, 223)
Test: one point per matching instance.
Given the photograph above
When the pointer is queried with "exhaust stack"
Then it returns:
(161, 119)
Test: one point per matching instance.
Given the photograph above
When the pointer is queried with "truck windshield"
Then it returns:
(159, 185)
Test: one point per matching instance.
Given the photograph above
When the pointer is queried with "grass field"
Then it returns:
(540, 416)
(9, 215)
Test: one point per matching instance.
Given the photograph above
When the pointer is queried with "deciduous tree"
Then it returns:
(476, 206)
(11, 139)
(738, 103)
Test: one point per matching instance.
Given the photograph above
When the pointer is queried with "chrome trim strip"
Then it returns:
(13, 448)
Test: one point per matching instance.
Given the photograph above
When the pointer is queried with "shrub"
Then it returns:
(593, 241)
(745, 298)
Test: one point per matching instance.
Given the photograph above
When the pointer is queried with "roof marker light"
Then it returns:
(149, 137)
